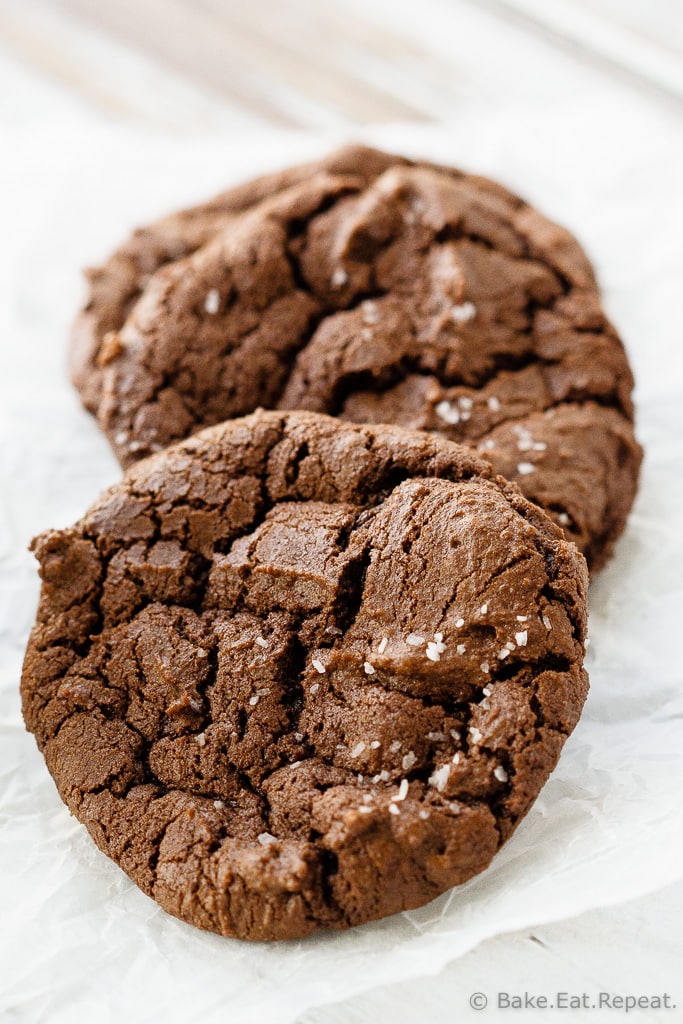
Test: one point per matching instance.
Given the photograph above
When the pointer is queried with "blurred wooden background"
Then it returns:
(201, 65)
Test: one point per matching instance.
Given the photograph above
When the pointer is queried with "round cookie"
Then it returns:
(295, 673)
(376, 290)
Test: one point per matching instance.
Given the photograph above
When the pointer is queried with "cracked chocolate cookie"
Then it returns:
(377, 290)
(296, 673)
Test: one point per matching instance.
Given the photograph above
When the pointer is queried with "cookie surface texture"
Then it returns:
(376, 290)
(294, 673)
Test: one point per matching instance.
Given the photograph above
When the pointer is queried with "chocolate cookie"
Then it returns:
(377, 290)
(296, 673)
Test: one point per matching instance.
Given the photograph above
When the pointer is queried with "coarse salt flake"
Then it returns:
(395, 746)
(383, 645)
(201, 739)
(447, 412)
(415, 640)
(484, 666)
(370, 312)
(521, 638)
(500, 773)
(318, 666)
(261, 642)
(212, 301)
(524, 468)
(408, 761)
(460, 649)
(547, 623)
(375, 745)
(393, 809)
(365, 810)
(339, 278)
(265, 838)
(254, 700)
(475, 734)
(463, 313)
(484, 608)
(402, 791)
(314, 689)
(219, 805)
(358, 749)
(369, 669)
(439, 778)
(493, 403)
(459, 623)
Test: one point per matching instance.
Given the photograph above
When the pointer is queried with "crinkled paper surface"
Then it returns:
(77, 938)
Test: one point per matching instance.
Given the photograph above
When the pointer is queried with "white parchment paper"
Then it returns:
(78, 941)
